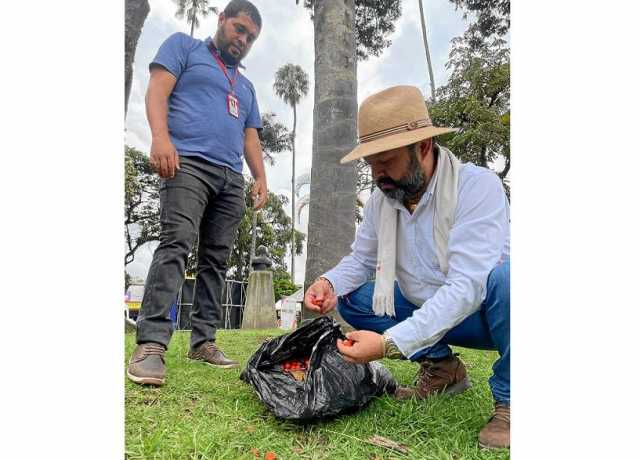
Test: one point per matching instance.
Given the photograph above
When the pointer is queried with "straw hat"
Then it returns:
(392, 118)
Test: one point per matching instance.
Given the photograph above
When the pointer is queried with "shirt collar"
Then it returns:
(209, 42)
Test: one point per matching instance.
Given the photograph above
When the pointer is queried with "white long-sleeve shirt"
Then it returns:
(478, 241)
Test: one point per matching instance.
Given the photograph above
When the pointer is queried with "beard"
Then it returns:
(223, 48)
(407, 187)
(229, 58)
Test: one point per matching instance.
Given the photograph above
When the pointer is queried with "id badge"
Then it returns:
(233, 105)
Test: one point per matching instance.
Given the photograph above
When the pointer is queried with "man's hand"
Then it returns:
(164, 158)
(367, 346)
(320, 297)
(253, 155)
(259, 193)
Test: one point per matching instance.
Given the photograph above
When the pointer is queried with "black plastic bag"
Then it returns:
(331, 385)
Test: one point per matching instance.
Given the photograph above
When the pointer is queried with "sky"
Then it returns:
(291, 41)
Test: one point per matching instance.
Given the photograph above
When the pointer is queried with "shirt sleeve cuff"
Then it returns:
(334, 282)
(403, 335)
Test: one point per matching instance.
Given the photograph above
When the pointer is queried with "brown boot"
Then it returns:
(146, 365)
(496, 434)
(212, 355)
(447, 376)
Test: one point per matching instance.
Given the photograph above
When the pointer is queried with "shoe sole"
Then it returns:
(486, 446)
(145, 380)
(461, 386)
(219, 366)
(452, 390)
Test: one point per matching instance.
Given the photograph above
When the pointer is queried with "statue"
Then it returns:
(261, 261)
(259, 308)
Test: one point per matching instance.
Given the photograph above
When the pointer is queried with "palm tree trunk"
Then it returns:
(293, 199)
(136, 12)
(426, 49)
(254, 222)
(193, 25)
(332, 208)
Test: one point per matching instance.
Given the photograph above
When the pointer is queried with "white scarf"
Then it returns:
(445, 201)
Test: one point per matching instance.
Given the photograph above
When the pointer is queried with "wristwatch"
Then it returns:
(391, 350)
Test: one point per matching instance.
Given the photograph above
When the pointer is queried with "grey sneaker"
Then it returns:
(146, 365)
(212, 355)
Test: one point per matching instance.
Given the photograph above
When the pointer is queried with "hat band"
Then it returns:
(396, 130)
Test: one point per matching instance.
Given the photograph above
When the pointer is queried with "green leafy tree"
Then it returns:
(492, 18)
(274, 137)
(476, 99)
(273, 231)
(127, 280)
(282, 285)
(292, 84)
(141, 202)
(193, 10)
(374, 22)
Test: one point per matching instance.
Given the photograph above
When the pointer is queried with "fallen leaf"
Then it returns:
(255, 452)
(270, 456)
(388, 443)
(250, 429)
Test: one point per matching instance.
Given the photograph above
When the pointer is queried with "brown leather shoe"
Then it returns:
(212, 355)
(146, 365)
(447, 376)
(496, 434)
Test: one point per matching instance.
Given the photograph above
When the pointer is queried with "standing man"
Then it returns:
(203, 113)
(436, 237)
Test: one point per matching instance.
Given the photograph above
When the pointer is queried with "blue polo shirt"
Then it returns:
(199, 120)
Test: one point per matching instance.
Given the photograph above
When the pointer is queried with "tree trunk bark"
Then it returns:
(293, 200)
(134, 16)
(332, 208)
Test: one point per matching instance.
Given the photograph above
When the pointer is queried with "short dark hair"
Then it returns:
(235, 7)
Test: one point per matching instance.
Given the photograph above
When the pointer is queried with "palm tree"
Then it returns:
(134, 16)
(332, 209)
(292, 83)
(193, 9)
(426, 50)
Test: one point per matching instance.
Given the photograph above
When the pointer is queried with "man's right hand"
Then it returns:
(164, 158)
(320, 297)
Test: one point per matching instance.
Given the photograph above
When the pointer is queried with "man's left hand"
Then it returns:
(367, 346)
(259, 193)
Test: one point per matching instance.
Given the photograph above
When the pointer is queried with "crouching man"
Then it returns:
(435, 236)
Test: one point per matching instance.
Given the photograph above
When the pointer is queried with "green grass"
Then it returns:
(207, 413)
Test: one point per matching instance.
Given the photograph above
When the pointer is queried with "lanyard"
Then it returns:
(214, 53)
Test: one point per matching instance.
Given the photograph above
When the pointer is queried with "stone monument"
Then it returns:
(259, 307)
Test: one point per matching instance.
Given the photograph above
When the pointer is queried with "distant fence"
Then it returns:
(232, 299)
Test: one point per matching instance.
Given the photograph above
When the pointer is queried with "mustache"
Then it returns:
(386, 180)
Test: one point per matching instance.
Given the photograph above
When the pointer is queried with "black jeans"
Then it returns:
(203, 198)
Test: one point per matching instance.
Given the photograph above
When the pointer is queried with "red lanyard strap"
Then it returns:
(222, 66)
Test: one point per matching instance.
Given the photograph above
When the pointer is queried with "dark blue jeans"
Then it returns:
(486, 329)
(202, 199)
